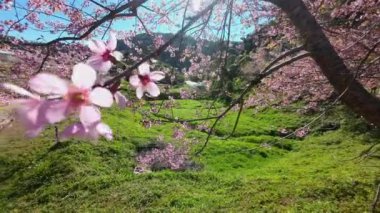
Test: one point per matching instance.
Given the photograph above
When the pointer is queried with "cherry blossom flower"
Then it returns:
(76, 97)
(145, 80)
(104, 54)
(62, 99)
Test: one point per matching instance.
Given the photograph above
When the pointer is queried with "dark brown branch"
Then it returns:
(56, 133)
(284, 55)
(142, 23)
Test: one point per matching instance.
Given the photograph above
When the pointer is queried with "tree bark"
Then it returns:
(355, 95)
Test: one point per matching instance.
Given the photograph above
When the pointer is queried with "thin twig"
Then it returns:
(237, 120)
(56, 135)
(44, 60)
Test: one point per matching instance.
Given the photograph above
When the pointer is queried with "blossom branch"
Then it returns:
(163, 47)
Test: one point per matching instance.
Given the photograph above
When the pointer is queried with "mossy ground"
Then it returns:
(316, 174)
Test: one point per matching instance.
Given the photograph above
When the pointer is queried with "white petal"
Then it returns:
(139, 92)
(157, 75)
(97, 46)
(83, 76)
(120, 99)
(46, 83)
(101, 97)
(144, 69)
(104, 130)
(89, 115)
(19, 90)
(152, 89)
(134, 80)
(112, 42)
(117, 55)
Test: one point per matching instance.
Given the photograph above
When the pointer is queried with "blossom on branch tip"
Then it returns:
(145, 80)
(104, 54)
(76, 97)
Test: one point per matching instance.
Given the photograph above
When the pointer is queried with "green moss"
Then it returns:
(255, 170)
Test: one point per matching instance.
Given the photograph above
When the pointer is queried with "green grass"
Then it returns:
(316, 174)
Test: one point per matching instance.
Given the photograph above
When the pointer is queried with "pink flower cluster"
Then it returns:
(169, 157)
(301, 133)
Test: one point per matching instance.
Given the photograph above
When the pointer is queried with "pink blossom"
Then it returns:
(145, 81)
(104, 54)
(76, 97)
(168, 157)
(63, 99)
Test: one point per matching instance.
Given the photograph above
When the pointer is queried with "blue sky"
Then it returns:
(125, 25)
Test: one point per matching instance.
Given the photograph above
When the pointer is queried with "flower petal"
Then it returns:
(34, 132)
(134, 80)
(97, 46)
(157, 75)
(74, 130)
(31, 114)
(144, 69)
(46, 83)
(104, 130)
(89, 115)
(99, 64)
(101, 97)
(152, 89)
(112, 42)
(83, 76)
(139, 92)
(120, 99)
(117, 55)
(56, 111)
(19, 90)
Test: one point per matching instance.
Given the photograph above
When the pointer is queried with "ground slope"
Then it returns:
(254, 170)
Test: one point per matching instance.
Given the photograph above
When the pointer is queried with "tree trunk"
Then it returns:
(355, 95)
